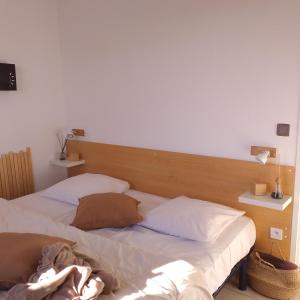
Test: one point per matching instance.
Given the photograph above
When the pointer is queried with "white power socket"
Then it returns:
(276, 233)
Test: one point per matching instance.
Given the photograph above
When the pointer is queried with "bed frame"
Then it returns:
(214, 179)
(241, 269)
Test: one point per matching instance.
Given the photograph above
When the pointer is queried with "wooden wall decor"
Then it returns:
(16, 177)
(215, 179)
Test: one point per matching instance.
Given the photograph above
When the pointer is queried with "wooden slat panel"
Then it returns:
(16, 176)
(23, 167)
(4, 177)
(9, 176)
(171, 174)
(25, 173)
(13, 175)
(2, 186)
(21, 181)
(30, 177)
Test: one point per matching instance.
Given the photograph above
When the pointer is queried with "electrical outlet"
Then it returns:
(276, 233)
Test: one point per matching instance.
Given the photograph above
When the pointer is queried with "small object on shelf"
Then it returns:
(277, 194)
(62, 156)
(63, 141)
(67, 163)
(259, 189)
(73, 156)
(265, 201)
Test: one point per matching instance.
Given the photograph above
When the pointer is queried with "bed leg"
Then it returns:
(243, 274)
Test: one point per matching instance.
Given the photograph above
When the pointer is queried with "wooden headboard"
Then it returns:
(171, 174)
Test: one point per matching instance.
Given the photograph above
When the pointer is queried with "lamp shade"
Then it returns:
(262, 157)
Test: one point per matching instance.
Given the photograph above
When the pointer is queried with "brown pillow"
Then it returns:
(20, 254)
(106, 210)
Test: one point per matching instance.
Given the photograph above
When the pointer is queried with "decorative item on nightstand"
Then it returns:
(274, 201)
(63, 141)
(261, 155)
(73, 156)
(259, 189)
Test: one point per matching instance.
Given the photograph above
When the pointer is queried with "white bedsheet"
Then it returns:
(214, 260)
(143, 275)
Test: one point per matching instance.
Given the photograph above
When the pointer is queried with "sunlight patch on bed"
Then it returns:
(161, 284)
(175, 267)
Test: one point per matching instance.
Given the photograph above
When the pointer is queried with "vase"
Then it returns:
(62, 156)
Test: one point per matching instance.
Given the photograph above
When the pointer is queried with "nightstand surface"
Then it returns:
(67, 163)
(265, 201)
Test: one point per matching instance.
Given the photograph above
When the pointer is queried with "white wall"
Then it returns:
(31, 115)
(208, 77)
(177, 75)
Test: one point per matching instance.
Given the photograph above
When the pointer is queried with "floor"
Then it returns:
(230, 292)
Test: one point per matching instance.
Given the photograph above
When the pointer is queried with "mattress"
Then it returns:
(215, 260)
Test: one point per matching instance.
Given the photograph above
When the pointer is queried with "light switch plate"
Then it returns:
(283, 129)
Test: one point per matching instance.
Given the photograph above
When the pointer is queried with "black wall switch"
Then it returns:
(283, 129)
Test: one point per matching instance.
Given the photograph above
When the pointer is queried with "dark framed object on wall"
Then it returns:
(8, 81)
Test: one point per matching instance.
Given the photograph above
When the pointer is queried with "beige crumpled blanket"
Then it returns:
(64, 273)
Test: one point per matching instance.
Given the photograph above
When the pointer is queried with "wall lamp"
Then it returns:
(261, 156)
(263, 153)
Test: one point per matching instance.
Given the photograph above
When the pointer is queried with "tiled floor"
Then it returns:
(230, 292)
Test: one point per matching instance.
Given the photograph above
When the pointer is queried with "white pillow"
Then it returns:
(147, 201)
(192, 219)
(73, 188)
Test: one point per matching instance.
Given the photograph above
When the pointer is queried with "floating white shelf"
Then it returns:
(67, 163)
(265, 201)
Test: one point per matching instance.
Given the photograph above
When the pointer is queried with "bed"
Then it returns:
(147, 261)
(212, 262)
(204, 267)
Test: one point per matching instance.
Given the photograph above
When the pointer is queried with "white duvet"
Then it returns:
(143, 275)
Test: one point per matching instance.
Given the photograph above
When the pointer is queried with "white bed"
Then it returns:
(213, 260)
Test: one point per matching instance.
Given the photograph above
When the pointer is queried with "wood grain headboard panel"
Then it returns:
(209, 178)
